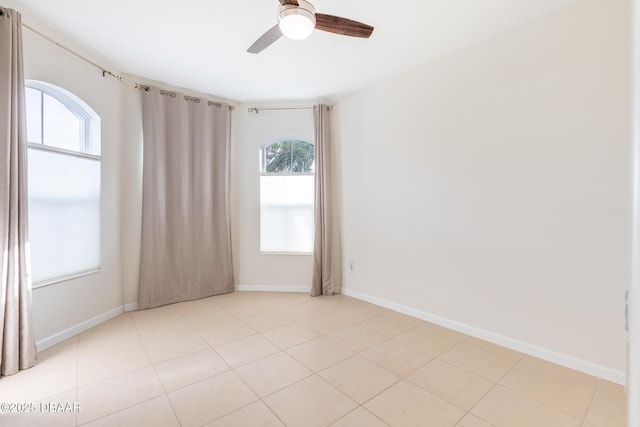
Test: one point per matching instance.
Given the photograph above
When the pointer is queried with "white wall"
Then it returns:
(491, 188)
(254, 270)
(60, 309)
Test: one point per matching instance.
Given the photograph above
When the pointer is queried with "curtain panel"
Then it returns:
(186, 233)
(17, 344)
(323, 276)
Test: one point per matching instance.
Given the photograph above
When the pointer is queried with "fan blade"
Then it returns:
(266, 40)
(344, 26)
(292, 2)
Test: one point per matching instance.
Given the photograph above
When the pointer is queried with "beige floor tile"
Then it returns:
(563, 388)
(391, 324)
(256, 414)
(244, 310)
(301, 311)
(359, 378)
(609, 406)
(211, 399)
(359, 312)
(163, 328)
(406, 404)
(180, 345)
(494, 348)
(290, 335)
(246, 350)
(226, 332)
(205, 318)
(154, 315)
(272, 373)
(432, 339)
(320, 353)
(286, 299)
(479, 361)
(43, 414)
(266, 321)
(357, 338)
(472, 421)
(55, 372)
(359, 418)
(116, 394)
(311, 402)
(118, 385)
(115, 332)
(152, 413)
(400, 359)
(453, 384)
(189, 369)
(502, 407)
(326, 323)
(95, 366)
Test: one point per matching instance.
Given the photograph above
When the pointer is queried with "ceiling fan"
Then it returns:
(297, 20)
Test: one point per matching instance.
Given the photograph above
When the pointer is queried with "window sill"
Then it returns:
(49, 282)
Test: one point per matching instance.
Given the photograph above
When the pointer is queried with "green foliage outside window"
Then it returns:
(289, 156)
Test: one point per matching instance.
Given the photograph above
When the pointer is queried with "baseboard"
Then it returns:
(273, 288)
(523, 347)
(132, 306)
(75, 330)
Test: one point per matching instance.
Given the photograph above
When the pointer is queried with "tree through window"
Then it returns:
(288, 156)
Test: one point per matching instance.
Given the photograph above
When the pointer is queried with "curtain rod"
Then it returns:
(258, 109)
(147, 88)
(105, 72)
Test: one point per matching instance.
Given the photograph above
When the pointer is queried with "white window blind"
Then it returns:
(64, 214)
(286, 213)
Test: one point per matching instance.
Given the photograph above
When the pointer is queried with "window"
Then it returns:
(64, 184)
(287, 196)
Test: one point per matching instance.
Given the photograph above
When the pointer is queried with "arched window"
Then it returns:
(287, 196)
(64, 183)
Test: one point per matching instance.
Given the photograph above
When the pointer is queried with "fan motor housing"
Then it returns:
(304, 8)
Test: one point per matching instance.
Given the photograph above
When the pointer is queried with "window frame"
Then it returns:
(89, 130)
(263, 172)
(90, 139)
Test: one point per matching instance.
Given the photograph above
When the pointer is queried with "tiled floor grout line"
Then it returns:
(323, 310)
(495, 384)
(166, 393)
(316, 373)
(153, 365)
(593, 396)
(121, 375)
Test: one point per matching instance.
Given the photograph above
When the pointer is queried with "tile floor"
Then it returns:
(273, 359)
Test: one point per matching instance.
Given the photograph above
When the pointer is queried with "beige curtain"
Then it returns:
(186, 236)
(17, 345)
(323, 279)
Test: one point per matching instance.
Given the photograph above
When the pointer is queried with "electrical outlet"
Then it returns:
(352, 267)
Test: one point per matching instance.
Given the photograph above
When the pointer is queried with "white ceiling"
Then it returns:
(201, 44)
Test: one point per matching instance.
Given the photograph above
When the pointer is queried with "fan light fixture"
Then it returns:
(297, 22)
(297, 19)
